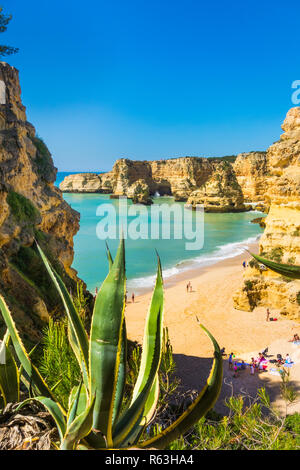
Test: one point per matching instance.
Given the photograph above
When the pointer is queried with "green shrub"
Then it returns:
(30, 266)
(255, 426)
(43, 159)
(249, 285)
(276, 254)
(22, 208)
(253, 264)
(58, 364)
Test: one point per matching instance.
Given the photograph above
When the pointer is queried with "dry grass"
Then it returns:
(27, 429)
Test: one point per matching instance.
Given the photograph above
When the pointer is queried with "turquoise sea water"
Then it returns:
(225, 236)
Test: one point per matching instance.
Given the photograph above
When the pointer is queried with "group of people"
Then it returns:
(259, 363)
(234, 365)
(132, 297)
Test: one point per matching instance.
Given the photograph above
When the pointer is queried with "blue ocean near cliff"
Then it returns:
(225, 236)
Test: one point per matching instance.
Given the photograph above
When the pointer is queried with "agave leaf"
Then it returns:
(120, 386)
(9, 377)
(21, 352)
(77, 334)
(106, 344)
(150, 361)
(134, 414)
(54, 409)
(79, 428)
(152, 329)
(200, 406)
(287, 270)
(145, 417)
(152, 401)
(78, 400)
(109, 257)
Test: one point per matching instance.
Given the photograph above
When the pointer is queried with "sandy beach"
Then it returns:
(243, 333)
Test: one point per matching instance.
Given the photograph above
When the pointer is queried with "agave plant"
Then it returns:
(95, 417)
(9, 374)
(287, 270)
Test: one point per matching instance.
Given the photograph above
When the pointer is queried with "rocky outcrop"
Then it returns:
(251, 170)
(178, 177)
(281, 238)
(31, 207)
(82, 183)
(139, 193)
(220, 193)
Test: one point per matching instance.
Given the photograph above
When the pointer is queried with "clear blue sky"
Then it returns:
(154, 79)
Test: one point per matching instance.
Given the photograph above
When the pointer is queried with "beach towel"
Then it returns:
(274, 371)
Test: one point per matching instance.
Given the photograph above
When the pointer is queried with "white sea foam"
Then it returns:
(229, 250)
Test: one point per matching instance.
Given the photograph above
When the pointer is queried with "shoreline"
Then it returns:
(193, 272)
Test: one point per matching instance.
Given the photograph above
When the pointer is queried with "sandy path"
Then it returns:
(244, 333)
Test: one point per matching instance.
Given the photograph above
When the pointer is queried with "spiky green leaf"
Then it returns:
(32, 372)
(9, 376)
(150, 361)
(109, 257)
(79, 428)
(200, 406)
(287, 270)
(106, 344)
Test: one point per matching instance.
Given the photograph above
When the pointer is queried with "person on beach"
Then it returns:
(191, 289)
(244, 264)
(268, 315)
(230, 361)
(235, 369)
(288, 359)
(132, 297)
(252, 368)
(188, 286)
(295, 338)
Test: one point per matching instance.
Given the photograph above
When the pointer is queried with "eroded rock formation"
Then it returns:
(30, 207)
(220, 193)
(184, 178)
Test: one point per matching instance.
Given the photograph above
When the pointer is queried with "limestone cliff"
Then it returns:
(30, 207)
(220, 193)
(281, 238)
(180, 177)
(251, 170)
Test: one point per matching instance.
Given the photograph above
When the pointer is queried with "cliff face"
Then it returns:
(30, 207)
(251, 170)
(220, 193)
(281, 238)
